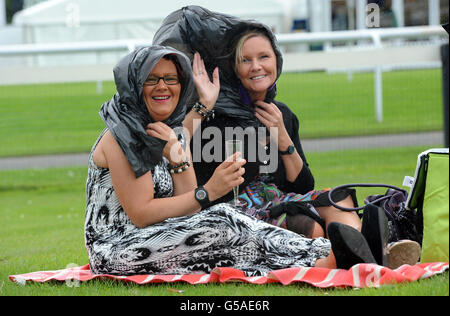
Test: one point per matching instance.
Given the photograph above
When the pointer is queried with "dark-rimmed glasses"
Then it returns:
(169, 80)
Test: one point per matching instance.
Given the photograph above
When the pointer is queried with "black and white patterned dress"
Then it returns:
(220, 236)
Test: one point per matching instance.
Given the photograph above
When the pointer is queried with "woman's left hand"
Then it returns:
(270, 115)
(173, 149)
(207, 90)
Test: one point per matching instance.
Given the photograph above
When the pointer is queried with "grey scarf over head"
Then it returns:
(126, 114)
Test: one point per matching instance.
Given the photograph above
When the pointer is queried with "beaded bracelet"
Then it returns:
(201, 109)
(180, 167)
(181, 164)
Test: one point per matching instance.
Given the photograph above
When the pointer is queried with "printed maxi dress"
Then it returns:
(220, 236)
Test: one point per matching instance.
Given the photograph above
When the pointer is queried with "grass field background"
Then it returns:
(63, 118)
(42, 211)
(42, 218)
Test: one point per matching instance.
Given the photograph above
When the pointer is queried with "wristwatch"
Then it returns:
(201, 195)
(290, 150)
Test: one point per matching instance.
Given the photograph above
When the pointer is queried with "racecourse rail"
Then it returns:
(377, 50)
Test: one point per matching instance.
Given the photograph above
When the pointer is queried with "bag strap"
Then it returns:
(365, 185)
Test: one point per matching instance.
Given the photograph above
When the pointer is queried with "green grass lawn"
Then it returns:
(331, 105)
(42, 218)
(50, 118)
(63, 118)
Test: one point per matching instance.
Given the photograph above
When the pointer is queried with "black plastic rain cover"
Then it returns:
(214, 35)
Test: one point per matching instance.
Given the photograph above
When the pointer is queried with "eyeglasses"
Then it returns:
(154, 80)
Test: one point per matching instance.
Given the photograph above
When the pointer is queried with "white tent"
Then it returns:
(86, 20)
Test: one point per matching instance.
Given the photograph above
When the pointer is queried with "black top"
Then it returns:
(209, 134)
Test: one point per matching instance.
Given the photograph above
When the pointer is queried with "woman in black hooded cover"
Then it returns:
(143, 209)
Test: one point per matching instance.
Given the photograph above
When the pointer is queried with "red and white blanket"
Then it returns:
(359, 276)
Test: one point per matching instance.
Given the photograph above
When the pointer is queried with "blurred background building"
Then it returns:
(40, 21)
(71, 21)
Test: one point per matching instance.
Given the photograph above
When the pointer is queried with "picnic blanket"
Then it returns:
(359, 276)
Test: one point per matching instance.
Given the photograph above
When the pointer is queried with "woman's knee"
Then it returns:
(317, 231)
(304, 225)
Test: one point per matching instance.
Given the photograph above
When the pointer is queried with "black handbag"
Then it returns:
(403, 223)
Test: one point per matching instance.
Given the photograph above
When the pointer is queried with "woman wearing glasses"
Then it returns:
(250, 63)
(144, 210)
(278, 183)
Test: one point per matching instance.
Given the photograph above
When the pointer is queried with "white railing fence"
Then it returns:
(374, 50)
(377, 50)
